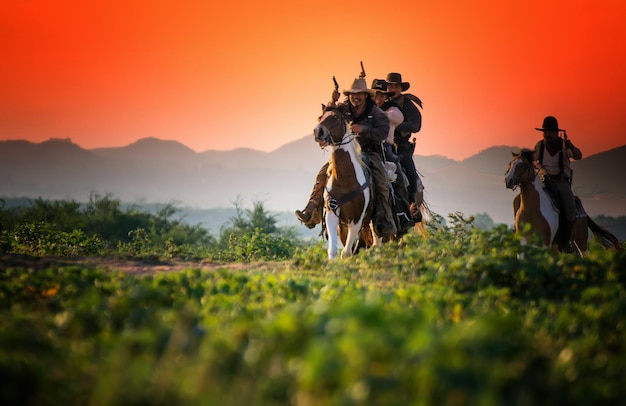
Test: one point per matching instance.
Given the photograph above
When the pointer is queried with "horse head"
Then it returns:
(332, 127)
(521, 170)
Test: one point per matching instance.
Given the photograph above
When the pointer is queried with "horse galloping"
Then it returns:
(348, 195)
(534, 206)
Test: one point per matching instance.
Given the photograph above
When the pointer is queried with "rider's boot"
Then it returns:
(405, 222)
(311, 215)
(570, 238)
(565, 238)
(419, 200)
(382, 220)
(416, 213)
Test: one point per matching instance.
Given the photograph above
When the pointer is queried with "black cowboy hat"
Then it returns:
(397, 78)
(380, 86)
(550, 123)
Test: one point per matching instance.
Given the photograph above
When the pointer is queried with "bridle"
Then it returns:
(323, 134)
(529, 169)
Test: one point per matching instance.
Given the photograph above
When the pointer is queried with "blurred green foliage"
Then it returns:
(456, 317)
(101, 228)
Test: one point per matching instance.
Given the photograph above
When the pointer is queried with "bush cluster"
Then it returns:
(102, 228)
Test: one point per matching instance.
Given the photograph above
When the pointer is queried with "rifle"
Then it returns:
(362, 75)
(571, 170)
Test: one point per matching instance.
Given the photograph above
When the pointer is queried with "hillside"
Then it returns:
(158, 171)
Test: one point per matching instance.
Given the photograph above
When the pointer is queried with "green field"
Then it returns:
(453, 318)
(459, 316)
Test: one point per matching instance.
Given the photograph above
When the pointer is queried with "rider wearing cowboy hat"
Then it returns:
(552, 155)
(400, 183)
(371, 127)
(412, 123)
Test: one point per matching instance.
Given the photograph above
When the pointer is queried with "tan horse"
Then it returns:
(534, 206)
(348, 193)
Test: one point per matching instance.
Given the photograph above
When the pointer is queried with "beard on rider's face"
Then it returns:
(550, 136)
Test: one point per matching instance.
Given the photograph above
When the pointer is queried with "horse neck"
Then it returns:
(530, 194)
(349, 145)
(351, 148)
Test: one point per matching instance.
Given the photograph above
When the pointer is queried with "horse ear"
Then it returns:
(514, 154)
(343, 109)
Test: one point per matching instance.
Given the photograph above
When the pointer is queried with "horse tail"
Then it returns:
(607, 239)
(420, 228)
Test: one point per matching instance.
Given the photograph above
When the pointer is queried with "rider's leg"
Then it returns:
(419, 199)
(401, 200)
(312, 213)
(383, 217)
(569, 207)
(406, 160)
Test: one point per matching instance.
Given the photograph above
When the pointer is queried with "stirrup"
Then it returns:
(406, 223)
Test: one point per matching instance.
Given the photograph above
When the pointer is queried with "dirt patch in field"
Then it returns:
(135, 267)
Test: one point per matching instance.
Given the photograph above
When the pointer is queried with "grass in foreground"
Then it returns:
(455, 318)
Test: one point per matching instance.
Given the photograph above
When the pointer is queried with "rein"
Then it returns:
(529, 168)
(344, 141)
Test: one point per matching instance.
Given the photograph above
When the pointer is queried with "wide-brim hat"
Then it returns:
(395, 77)
(359, 86)
(379, 86)
(550, 123)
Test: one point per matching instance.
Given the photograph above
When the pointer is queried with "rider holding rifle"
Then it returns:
(553, 155)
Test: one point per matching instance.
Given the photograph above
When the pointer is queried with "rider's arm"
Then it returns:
(379, 128)
(412, 119)
(572, 151)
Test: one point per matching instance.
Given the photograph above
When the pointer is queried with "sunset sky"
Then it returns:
(226, 74)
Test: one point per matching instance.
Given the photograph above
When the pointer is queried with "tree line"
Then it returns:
(103, 227)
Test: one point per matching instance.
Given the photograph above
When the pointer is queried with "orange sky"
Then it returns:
(228, 74)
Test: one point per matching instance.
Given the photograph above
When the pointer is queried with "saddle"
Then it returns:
(553, 192)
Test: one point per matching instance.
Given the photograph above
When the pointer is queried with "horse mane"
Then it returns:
(527, 154)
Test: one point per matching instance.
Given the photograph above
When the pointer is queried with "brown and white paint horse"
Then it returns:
(534, 206)
(348, 192)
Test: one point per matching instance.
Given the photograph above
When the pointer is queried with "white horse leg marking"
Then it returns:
(353, 234)
(332, 222)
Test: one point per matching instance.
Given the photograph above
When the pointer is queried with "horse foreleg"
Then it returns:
(353, 233)
(332, 222)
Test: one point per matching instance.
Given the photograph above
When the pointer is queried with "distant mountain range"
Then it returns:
(158, 171)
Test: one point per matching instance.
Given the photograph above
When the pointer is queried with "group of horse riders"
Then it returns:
(383, 118)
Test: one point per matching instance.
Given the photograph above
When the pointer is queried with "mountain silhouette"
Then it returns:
(162, 171)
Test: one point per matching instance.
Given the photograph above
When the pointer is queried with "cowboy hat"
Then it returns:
(359, 86)
(380, 86)
(397, 78)
(550, 124)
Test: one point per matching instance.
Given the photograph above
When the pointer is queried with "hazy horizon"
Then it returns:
(488, 72)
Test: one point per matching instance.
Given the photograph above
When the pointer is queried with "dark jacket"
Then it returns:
(412, 120)
(376, 122)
